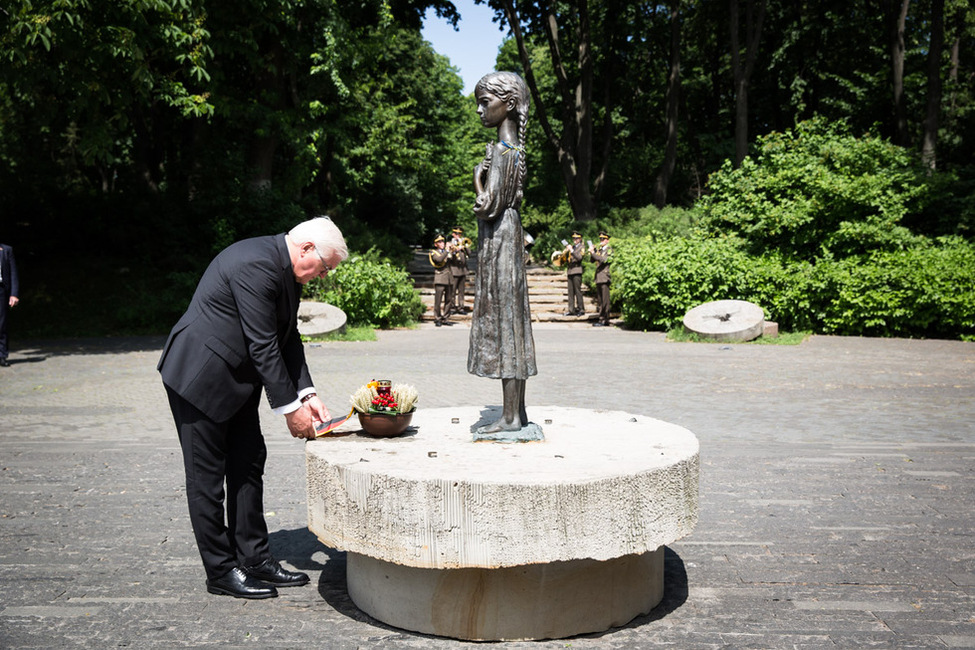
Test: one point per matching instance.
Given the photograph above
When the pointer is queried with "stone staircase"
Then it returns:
(546, 291)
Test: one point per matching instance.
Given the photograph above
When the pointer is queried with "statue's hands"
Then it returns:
(480, 172)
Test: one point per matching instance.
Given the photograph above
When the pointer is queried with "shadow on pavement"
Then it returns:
(40, 350)
(296, 547)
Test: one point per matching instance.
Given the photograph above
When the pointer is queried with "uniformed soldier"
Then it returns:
(460, 251)
(441, 280)
(575, 252)
(600, 255)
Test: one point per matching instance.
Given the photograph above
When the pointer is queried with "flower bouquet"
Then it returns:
(383, 409)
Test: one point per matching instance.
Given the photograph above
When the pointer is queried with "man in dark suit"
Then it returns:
(9, 290)
(240, 334)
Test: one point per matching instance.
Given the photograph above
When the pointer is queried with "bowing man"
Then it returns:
(239, 335)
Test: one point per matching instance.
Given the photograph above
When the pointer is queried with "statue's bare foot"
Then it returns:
(501, 425)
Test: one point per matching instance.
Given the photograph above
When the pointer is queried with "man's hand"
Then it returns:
(319, 412)
(301, 423)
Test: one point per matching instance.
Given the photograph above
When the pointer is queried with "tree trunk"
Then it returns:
(743, 73)
(673, 101)
(271, 87)
(574, 147)
(930, 142)
(901, 136)
(261, 159)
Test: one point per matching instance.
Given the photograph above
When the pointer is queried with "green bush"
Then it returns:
(656, 282)
(927, 290)
(669, 221)
(550, 228)
(817, 192)
(370, 291)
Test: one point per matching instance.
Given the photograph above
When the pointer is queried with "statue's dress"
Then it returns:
(501, 345)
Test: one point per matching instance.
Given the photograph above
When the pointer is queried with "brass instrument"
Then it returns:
(561, 257)
(465, 245)
(436, 265)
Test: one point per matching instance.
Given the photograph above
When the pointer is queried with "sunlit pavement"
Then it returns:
(837, 482)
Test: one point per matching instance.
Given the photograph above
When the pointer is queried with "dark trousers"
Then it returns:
(602, 291)
(438, 301)
(575, 293)
(213, 453)
(4, 310)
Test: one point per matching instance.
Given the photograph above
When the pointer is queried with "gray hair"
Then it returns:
(324, 234)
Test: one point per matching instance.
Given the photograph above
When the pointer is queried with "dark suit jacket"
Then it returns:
(8, 272)
(240, 331)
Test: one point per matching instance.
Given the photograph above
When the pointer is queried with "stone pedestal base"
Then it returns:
(536, 601)
(506, 540)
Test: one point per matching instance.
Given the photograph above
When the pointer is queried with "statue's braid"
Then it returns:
(522, 166)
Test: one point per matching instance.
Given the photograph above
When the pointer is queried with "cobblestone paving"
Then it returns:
(837, 484)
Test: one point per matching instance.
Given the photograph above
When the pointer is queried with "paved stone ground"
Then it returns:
(837, 485)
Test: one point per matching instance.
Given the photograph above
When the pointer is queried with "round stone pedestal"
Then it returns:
(533, 601)
(506, 541)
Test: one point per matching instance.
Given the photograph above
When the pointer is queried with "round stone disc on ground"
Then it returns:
(319, 318)
(726, 320)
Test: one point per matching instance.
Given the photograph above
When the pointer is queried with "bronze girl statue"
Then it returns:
(501, 344)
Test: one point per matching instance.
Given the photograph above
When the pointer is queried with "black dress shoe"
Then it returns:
(272, 572)
(4, 362)
(238, 584)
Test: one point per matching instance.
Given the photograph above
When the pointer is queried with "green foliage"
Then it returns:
(350, 333)
(370, 291)
(165, 129)
(407, 141)
(657, 282)
(88, 73)
(816, 191)
(811, 230)
(927, 290)
(649, 221)
(549, 228)
(682, 335)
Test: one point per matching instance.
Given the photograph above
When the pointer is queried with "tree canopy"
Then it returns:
(168, 128)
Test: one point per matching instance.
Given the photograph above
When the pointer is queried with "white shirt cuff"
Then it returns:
(295, 405)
